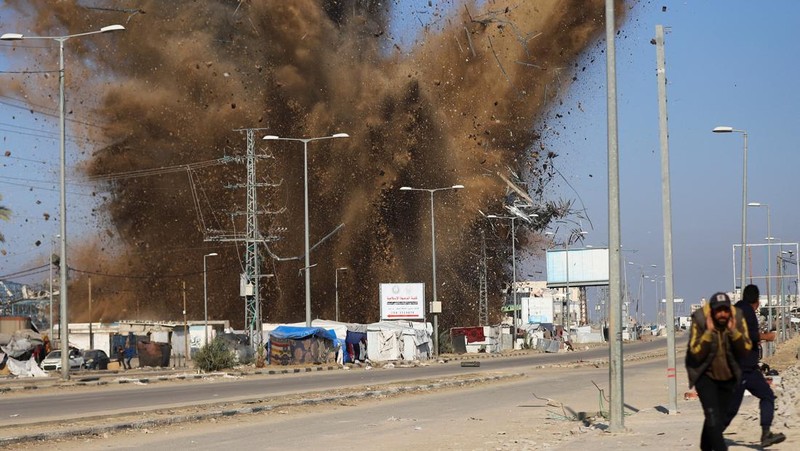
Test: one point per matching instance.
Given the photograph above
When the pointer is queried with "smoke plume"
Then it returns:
(460, 106)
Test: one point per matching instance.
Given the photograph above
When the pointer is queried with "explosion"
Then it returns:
(460, 106)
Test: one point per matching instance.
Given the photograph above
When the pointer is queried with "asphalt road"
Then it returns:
(114, 399)
(508, 415)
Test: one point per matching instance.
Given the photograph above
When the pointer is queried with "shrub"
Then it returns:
(214, 356)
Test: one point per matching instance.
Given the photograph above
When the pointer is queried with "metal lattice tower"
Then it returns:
(252, 308)
(483, 295)
(249, 284)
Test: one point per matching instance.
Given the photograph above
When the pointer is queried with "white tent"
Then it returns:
(399, 340)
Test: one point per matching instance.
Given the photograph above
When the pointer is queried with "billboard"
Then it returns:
(587, 267)
(539, 309)
(402, 301)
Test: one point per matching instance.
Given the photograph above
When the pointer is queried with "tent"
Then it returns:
(350, 335)
(291, 345)
(399, 340)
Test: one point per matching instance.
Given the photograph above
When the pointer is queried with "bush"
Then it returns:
(214, 356)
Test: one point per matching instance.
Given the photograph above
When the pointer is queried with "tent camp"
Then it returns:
(399, 340)
(291, 345)
(350, 335)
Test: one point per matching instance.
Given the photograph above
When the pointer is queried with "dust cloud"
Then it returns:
(460, 106)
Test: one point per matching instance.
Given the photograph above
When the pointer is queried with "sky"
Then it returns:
(728, 63)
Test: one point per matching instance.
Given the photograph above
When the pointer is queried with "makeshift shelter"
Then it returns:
(153, 354)
(399, 340)
(291, 345)
(352, 336)
(475, 339)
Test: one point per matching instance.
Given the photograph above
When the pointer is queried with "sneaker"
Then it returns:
(771, 438)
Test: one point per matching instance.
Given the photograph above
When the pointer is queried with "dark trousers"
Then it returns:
(754, 382)
(715, 396)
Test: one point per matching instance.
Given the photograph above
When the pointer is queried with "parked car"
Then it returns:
(95, 359)
(53, 360)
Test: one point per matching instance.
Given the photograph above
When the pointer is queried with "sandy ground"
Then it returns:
(654, 428)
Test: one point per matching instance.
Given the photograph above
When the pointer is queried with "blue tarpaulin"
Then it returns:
(298, 333)
(298, 345)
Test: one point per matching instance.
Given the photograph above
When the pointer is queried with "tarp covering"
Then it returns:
(296, 345)
(399, 340)
(343, 332)
(153, 354)
(356, 343)
(25, 368)
(472, 334)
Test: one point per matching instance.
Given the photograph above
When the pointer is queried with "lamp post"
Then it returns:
(433, 258)
(64, 322)
(573, 235)
(205, 293)
(724, 129)
(517, 309)
(639, 299)
(307, 271)
(769, 258)
(343, 268)
(50, 281)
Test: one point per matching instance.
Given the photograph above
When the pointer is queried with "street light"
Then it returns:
(50, 281)
(573, 235)
(205, 292)
(744, 200)
(517, 309)
(769, 257)
(639, 299)
(343, 268)
(64, 322)
(435, 302)
(307, 268)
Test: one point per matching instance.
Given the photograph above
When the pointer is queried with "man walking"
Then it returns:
(716, 339)
(752, 379)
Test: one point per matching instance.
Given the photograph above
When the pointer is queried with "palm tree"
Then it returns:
(5, 215)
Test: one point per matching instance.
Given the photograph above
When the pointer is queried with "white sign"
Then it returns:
(402, 301)
(587, 267)
(539, 310)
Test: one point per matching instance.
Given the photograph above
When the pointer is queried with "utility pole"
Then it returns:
(91, 335)
(483, 293)
(666, 213)
(249, 288)
(617, 403)
(185, 327)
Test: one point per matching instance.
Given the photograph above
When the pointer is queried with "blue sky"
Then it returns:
(729, 62)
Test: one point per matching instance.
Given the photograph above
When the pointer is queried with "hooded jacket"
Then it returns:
(703, 344)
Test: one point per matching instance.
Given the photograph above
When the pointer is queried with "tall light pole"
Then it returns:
(573, 235)
(50, 281)
(64, 321)
(343, 268)
(205, 292)
(769, 260)
(433, 258)
(725, 129)
(307, 269)
(639, 299)
(517, 309)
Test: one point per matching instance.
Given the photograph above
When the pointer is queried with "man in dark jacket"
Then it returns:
(752, 379)
(717, 338)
